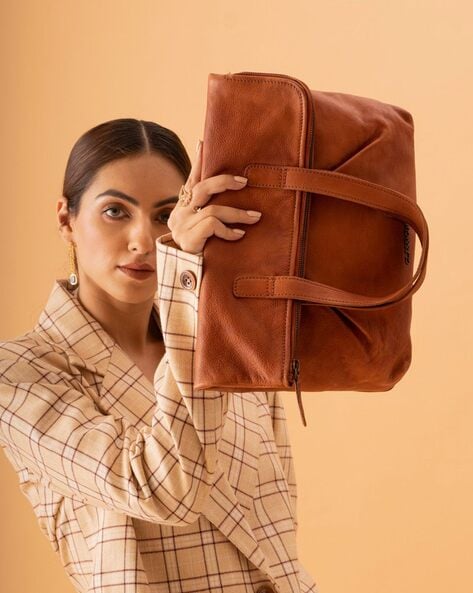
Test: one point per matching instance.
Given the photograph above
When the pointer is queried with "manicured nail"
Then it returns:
(253, 213)
(239, 231)
(240, 179)
(197, 148)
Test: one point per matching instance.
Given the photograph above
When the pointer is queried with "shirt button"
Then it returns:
(188, 279)
(265, 589)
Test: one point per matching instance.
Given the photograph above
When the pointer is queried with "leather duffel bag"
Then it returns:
(317, 295)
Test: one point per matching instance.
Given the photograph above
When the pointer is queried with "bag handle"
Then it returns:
(344, 187)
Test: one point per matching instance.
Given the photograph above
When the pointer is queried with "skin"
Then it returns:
(109, 231)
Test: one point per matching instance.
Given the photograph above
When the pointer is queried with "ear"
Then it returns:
(64, 220)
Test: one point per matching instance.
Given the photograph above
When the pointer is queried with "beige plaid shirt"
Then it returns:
(145, 488)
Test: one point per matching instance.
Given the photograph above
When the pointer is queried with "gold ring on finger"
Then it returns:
(185, 196)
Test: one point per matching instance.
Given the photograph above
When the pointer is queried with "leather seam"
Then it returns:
(342, 195)
(355, 180)
(296, 88)
(282, 294)
(283, 181)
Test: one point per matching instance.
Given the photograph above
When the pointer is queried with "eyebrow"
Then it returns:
(119, 194)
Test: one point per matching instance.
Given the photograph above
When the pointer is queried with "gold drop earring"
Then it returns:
(73, 277)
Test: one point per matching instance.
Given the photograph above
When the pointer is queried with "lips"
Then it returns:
(147, 267)
(136, 274)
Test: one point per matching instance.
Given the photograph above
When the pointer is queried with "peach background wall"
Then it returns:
(385, 480)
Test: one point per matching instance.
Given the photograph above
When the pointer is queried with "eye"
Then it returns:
(165, 213)
(113, 208)
(162, 217)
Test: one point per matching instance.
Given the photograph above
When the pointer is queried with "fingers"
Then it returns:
(227, 214)
(196, 169)
(193, 240)
(191, 229)
(193, 178)
(203, 191)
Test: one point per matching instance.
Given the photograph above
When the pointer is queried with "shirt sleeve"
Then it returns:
(51, 427)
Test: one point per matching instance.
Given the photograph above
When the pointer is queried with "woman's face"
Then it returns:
(115, 230)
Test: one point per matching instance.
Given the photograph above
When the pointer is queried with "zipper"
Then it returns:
(306, 202)
(294, 378)
(294, 364)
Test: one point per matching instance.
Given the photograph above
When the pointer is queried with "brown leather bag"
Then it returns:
(316, 296)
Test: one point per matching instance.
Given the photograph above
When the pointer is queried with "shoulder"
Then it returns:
(27, 357)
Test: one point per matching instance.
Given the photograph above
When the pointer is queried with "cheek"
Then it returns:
(100, 245)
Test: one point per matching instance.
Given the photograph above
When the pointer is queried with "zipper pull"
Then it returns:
(295, 374)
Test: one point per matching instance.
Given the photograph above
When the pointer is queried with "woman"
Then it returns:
(141, 483)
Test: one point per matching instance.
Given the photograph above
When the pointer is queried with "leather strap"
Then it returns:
(343, 187)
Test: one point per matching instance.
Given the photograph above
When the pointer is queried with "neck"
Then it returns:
(130, 325)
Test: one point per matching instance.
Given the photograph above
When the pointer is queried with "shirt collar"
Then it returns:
(65, 321)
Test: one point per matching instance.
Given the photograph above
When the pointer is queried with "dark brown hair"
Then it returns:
(113, 140)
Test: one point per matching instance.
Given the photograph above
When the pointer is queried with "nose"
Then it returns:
(141, 238)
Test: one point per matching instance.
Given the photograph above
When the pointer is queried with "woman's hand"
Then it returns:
(190, 229)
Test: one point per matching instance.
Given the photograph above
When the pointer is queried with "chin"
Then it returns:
(134, 292)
